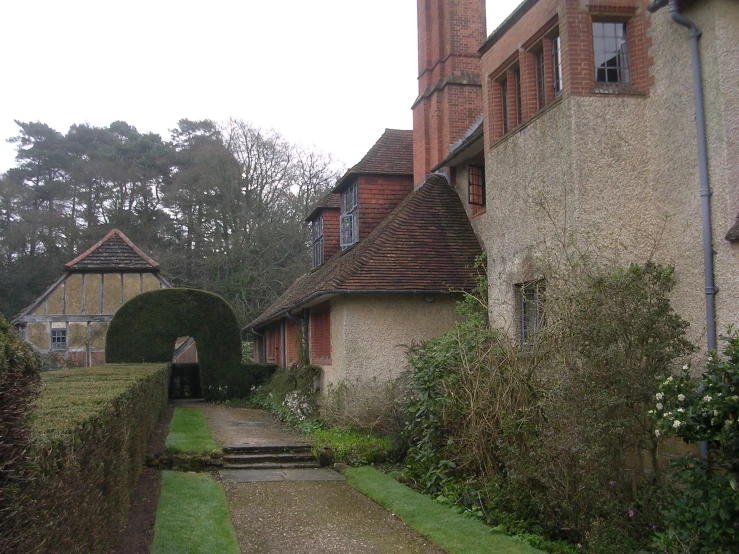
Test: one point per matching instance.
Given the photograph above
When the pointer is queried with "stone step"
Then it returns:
(277, 458)
(267, 448)
(267, 465)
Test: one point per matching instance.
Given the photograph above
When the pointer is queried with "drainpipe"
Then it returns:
(705, 190)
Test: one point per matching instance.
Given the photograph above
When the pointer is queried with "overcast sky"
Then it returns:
(329, 74)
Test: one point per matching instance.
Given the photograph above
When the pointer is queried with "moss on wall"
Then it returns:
(146, 329)
(131, 285)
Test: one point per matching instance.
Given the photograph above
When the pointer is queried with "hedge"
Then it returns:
(250, 377)
(146, 327)
(19, 385)
(89, 441)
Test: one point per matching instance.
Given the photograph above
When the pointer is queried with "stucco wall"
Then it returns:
(619, 175)
(370, 333)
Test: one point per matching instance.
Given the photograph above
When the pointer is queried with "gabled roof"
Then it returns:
(331, 201)
(114, 251)
(392, 154)
(425, 245)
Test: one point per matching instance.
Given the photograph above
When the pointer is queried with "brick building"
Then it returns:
(574, 118)
(70, 319)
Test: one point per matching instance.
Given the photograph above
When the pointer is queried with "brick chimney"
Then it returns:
(449, 83)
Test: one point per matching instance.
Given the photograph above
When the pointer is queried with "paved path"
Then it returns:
(301, 511)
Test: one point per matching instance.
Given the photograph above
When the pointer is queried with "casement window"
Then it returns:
(504, 105)
(541, 80)
(530, 297)
(519, 107)
(58, 340)
(317, 231)
(476, 185)
(611, 49)
(349, 216)
(557, 64)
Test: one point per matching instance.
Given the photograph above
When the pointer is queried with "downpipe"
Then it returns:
(705, 189)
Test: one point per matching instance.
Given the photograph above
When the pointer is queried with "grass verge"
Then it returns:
(352, 446)
(193, 517)
(189, 433)
(445, 528)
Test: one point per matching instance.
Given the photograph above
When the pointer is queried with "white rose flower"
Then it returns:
(681, 397)
(707, 398)
(686, 367)
(659, 406)
(656, 432)
(668, 380)
(676, 424)
(680, 410)
(659, 396)
(710, 358)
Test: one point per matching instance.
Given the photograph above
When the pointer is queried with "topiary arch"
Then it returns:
(146, 327)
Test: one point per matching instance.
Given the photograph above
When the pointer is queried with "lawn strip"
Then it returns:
(193, 517)
(188, 433)
(441, 525)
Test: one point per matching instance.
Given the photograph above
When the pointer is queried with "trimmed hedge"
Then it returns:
(250, 376)
(19, 386)
(89, 442)
(146, 327)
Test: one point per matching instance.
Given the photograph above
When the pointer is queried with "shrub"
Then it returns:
(705, 516)
(369, 406)
(146, 327)
(89, 441)
(548, 429)
(250, 377)
(19, 385)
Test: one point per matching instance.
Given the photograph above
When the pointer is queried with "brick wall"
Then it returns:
(378, 196)
(573, 19)
(330, 232)
(320, 334)
(449, 35)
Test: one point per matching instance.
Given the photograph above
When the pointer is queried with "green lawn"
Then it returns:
(193, 517)
(449, 530)
(188, 432)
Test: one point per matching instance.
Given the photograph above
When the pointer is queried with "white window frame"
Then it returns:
(58, 345)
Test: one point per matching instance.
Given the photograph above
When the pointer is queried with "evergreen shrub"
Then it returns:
(146, 327)
(251, 376)
(19, 385)
(88, 445)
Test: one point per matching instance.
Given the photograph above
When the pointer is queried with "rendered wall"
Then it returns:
(619, 175)
(371, 332)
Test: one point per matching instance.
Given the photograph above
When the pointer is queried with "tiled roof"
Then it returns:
(331, 200)
(425, 244)
(114, 252)
(392, 154)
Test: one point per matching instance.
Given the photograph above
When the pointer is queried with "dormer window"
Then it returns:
(317, 231)
(349, 216)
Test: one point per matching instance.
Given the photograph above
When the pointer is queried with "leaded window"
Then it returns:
(476, 183)
(541, 83)
(531, 308)
(611, 50)
(519, 106)
(350, 215)
(58, 340)
(317, 231)
(504, 104)
(557, 64)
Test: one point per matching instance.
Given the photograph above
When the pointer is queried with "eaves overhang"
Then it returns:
(509, 22)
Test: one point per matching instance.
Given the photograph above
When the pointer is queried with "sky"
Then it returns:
(329, 75)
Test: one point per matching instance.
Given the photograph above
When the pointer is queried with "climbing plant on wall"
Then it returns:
(146, 327)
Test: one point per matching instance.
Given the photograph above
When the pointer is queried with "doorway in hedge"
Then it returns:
(147, 327)
(184, 382)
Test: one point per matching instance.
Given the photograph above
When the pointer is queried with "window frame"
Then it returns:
(57, 344)
(350, 207)
(476, 191)
(622, 54)
(530, 295)
(558, 81)
(317, 241)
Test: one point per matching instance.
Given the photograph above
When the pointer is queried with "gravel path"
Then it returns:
(295, 517)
